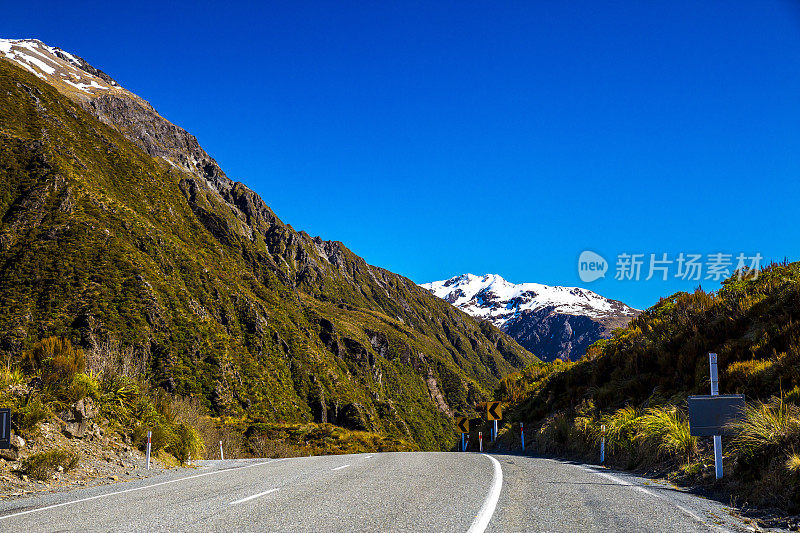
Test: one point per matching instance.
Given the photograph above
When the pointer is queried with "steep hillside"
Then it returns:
(552, 322)
(636, 384)
(103, 243)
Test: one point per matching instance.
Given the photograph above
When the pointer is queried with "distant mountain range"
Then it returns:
(550, 321)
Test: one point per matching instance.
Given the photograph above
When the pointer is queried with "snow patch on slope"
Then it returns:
(54, 65)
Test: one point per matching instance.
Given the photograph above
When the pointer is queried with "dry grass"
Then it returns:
(766, 426)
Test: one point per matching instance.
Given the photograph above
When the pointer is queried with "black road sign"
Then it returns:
(493, 411)
(5, 428)
(463, 424)
(709, 415)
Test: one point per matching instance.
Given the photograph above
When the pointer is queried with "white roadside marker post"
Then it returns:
(221, 453)
(603, 444)
(712, 362)
(522, 434)
(494, 433)
(480, 440)
(149, 441)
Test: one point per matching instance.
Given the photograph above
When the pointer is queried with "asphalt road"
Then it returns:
(464, 492)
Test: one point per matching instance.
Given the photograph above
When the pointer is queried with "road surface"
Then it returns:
(459, 492)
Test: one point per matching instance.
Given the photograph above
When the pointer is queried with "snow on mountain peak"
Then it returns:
(492, 297)
(66, 71)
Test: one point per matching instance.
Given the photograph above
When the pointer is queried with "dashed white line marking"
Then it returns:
(339, 467)
(368, 457)
(62, 504)
(489, 505)
(253, 497)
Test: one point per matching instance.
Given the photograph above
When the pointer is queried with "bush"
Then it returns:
(56, 359)
(42, 465)
(83, 385)
(186, 443)
(29, 415)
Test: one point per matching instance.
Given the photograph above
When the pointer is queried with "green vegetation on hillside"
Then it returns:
(214, 297)
(637, 382)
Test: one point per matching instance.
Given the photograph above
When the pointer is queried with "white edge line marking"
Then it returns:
(659, 496)
(490, 503)
(253, 497)
(62, 504)
(339, 467)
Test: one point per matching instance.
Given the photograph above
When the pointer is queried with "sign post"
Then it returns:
(522, 434)
(494, 412)
(149, 443)
(711, 416)
(5, 428)
(463, 426)
(712, 361)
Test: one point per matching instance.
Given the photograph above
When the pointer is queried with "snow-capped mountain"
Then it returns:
(550, 321)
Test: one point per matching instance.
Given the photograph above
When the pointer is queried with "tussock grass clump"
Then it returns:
(766, 426)
(42, 465)
(622, 428)
(668, 427)
(793, 463)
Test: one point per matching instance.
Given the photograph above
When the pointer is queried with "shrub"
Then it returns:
(83, 385)
(119, 395)
(42, 465)
(186, 443)
(11, 376)
(56, 359)
(29, 415)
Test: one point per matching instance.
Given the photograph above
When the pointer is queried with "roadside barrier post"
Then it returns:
(522, 434)
(603, 444)
(480, 440)
(712, 362)
(221, 453)
(149, 443)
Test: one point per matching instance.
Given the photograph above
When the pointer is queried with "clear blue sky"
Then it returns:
(437, 138)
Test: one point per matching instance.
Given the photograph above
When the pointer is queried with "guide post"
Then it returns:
(149, 444)
(603, 444)
(522, 435)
